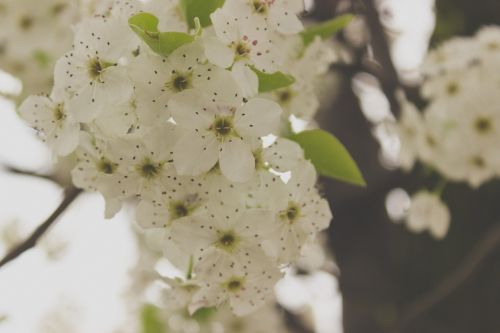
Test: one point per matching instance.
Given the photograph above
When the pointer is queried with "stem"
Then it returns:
(69, 196)
(189, 274)
(389, 78)
(28, 173)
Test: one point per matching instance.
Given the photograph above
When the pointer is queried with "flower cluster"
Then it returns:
(175, 300)
(459, 130)
(191, 135)
(33, 35)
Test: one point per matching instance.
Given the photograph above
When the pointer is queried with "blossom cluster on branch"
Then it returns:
(191, 119)
(34, 34)
(458, 131)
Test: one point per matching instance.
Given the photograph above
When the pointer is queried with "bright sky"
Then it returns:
(92, 273)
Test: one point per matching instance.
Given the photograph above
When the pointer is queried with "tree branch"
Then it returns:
(455, 279)
(69, 196)
(29, 173)
(388, 75)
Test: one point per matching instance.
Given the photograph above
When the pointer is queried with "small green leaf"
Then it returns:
(270, 82)
(326, 29)
(145, 25)
(202, 315)
(329, 156)
(150, 319)
(200, 9)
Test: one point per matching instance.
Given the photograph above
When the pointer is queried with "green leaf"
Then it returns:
(150, 319)
(326, 29)
(202, 315)
(329, 156)
(270, 82)
(200, 9)
(145, 25)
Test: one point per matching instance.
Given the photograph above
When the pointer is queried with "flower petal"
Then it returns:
(236, 160)
(258, 117)
(194, 155)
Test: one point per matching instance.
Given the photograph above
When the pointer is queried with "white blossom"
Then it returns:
(428, 212)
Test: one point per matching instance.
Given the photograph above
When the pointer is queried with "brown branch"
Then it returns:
(69, 196)
(388, 75)
(455, 279)
(29, 173)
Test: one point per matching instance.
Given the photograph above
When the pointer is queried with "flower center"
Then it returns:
(259, 7)
(26, 22)
(291, 213)
(227, 241)
(242, 50)
(180, 82)
(483, 125)
(452, 88)
(431, 142)
(58, 8)
(234, 284)
(223, 126)
(284, 96)
(178, 210)
(492, 46)
(95, 67)
(106, 166)
(59, 113)
(148, 169)
(478, 162)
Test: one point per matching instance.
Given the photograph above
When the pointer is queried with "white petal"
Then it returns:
(218, 53)
(113, 206)
(283, 155)
(246, 79)
(258, 117)
(150, 216)
(194, 155)
(191, 109)
(236, 160)
(67, 139)
(284, 20)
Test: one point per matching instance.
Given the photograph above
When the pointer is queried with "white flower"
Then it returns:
(176, 198)
(301, 213)
(53, 122)
(220, 231)
(99, 170)
(283, 155)
(428, 212)
(244, 287)
(240, 40)
(278, 16)
(92, 74)
(147, 159)
(489, 39)
(267, 319)
(157, 79)
(220, 128)
(456, 53)
(410, 128)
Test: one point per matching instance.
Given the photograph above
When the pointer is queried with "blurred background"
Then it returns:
(376, 276)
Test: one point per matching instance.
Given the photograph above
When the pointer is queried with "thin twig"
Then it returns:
(29, 173)
(388, 75)
(69, 196)
(455, 279)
